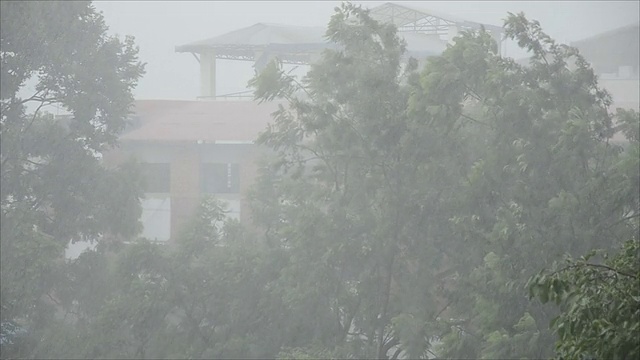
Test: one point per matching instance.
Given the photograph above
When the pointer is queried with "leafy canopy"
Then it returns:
(54, 189)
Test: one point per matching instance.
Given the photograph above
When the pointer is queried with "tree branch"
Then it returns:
(594, 266)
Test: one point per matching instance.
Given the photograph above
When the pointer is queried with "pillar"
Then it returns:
(208, 75)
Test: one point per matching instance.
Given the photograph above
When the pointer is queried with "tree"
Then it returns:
(345, 183)
(600, 304)
(207, 296)
(401, 215)
(218, 286)
(599, 300)
(54, 188)
(415, 207)
(546, 182)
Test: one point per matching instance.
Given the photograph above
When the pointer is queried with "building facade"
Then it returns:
(614, 58)
(189, 149)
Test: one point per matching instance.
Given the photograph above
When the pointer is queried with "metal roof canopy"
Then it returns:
(413, 19)
(300, 44)
(293, 44)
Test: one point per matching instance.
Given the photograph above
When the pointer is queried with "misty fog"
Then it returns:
(161, 25)
(320, 180)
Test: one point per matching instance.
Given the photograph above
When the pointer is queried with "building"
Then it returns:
(426, 33)
(613, 55)
(206, 146)
(188, 149)
(614, 58)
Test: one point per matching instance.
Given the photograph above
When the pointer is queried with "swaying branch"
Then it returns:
(595, 266)
(613, 270)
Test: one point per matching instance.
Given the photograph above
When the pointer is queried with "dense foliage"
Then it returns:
(416, 205)
(404, 211)
(600, 304)
(54, 189)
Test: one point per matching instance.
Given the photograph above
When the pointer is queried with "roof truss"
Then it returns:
(408, 19)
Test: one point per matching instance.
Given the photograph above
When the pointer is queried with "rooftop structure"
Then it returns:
(418, 20)
(293, 44)
(426, 33)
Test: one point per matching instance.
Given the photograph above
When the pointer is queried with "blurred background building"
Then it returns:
(206, 146)
(614, 58)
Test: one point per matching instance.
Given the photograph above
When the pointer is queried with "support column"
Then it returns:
(208, 75)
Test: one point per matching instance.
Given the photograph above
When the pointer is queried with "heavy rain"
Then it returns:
(320, 180)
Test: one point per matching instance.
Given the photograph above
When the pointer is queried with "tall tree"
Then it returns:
(209, 296)
(54, 189)
(546, 182)
(349, 190)
(599, 296)
(414, 208)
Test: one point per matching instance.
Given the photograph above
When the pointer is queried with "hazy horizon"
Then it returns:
(159, 26)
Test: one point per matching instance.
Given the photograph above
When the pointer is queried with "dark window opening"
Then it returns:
(220, 178)
(157, 177)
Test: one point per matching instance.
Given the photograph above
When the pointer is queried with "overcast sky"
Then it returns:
(159, 26)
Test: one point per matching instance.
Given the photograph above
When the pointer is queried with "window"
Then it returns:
(156, 217)
(157, 177)
(220, 178)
